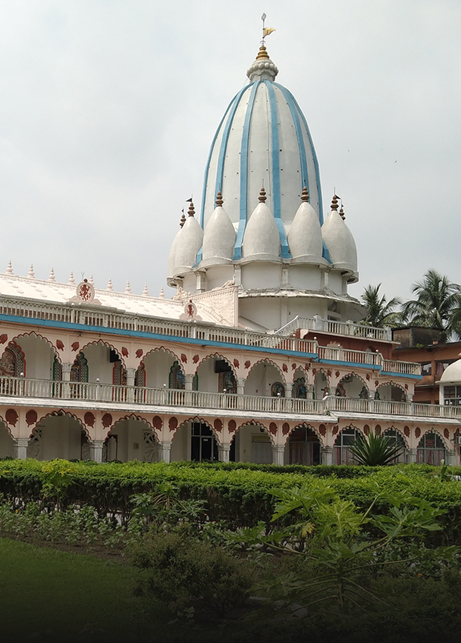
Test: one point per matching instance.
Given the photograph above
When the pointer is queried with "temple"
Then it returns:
(259, 356)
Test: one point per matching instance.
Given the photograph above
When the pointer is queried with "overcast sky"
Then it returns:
(109, 108)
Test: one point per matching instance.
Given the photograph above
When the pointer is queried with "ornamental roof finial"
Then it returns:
(191, 211)
(71, 281)
(341, 212)
(31, 273)
(219, 200)
(145, 292)
(52, 277)
(183, 220)
(109, 285)
(262, 195)
(334, 203)
(305, 195)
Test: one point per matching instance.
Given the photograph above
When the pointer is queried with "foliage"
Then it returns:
(380, 312)
(186, 573)
(375, 450)
(341, 548)
(436, 301)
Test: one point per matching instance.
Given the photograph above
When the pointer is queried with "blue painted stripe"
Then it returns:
(207, 168)
(325, 252)
(231, 107)
(299, 134)
(275, 154)
(244, 172)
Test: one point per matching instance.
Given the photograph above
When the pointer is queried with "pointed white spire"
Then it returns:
(71, 281)
(9, 270)
(52, 277)
(91, 280)
(162, 293)
(31, 273)
(145, 292)
(109, 284)
(128, 288)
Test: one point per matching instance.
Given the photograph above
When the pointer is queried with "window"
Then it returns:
(452, 395)
(426, 368)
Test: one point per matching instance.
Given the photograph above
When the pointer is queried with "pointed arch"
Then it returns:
(217, 356)
(306, 425)
(431, 450)
(345, 438)
(161, 349)
(267, 361)
(12, 361)
(100, 342)
(36, 335)
(63, 413)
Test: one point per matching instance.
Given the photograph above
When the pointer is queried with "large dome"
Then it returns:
(262, 140)
(261, 217)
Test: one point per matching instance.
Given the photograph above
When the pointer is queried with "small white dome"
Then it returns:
(172, 255)
(339, 241)
(305, 235)
(188, 242)
(452, 373)
(261, 241)
(219, 238)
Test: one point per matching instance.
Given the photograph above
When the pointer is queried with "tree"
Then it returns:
(379, 311)
(437, 301)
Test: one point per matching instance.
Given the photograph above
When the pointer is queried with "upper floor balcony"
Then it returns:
(14, 390)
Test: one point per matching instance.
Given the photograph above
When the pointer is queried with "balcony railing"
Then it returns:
(334, 327)
(135, 396)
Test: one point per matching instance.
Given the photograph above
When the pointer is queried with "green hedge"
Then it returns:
(238, 494)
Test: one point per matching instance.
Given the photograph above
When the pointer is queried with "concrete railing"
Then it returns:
(334, 327)
(131, 395)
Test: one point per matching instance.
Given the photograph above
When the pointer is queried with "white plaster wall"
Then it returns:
(260, 379)
(6, 443)
(99, 365)
(207, 378)
(61, 438)
(252, 445)
(259, 275)
(353, 388)
(305, 277)
(39, 357)
(264, 312)
(320, 383)
(180, 447)
(306, 307)
(335, 282)
(216, 276)
(157, 366)
(190, 282)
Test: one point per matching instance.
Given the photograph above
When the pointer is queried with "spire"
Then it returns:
(191, 211)
(52, 277)
(219, 200)
(262, 53)
(262, 195)
(71, 281)
(305, 195)
(334, 203)
(109, 285)
(31, 273)
(9, 270)
(341, 212)
(145, 292)
(182, 220)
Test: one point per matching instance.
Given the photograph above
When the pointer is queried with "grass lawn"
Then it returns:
(50, 595)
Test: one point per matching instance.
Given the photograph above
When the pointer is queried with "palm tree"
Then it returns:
(379, 311)
(437, 301)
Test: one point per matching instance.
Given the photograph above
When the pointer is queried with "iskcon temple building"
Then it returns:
(259, 356)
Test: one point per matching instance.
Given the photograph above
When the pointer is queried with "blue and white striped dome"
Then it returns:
(262, 140)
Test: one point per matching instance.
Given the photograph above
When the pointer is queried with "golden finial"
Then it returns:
(219, 200)
(262, 195)
(305, 195)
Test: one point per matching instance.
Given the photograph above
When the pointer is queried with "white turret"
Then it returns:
(340, 242)
(219, 237)
(305, 235)
(261, 241)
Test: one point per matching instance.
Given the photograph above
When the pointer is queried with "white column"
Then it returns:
(278, 451)
(223, 452)
(309, 391)
(96, 450)
(20, 448)
(189, 379)
(66, 369)
(451, 458)
(130, 374)
(240, 392)
(327, 455)
(165, 451)
(411, 456)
